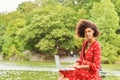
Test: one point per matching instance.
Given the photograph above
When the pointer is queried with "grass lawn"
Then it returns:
(34, 75)
(111, 67)
(111, 78)
(42, 75)
(27, 75)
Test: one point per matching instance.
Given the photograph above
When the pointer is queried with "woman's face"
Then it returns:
(88, 33)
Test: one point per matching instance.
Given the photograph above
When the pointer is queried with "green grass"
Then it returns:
(49, 64)
(111, 78)
(36, 75)
(27, 75)
(111, 67)
(42, 75)
(32, 63)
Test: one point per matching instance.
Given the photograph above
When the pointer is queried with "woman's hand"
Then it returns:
(75, 65)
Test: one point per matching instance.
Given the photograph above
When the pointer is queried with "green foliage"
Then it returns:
(13, 22)
(46, 44)
(26, 7)
(11, 27)
(43, 27)
(109, 54)
(108, 24)
(2, 32)
(50, 27)
(6, 45)
(117, 6)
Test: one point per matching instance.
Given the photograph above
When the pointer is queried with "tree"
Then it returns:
(9, 47)
(107, 20)
(27, 7)
(13, 22)
(2, 32)
(50, 27)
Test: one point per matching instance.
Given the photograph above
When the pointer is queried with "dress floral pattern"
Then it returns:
(92, 58)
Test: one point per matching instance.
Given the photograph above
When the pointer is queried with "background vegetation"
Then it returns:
(45, 26)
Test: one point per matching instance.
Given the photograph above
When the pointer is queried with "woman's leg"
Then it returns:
(60, 76)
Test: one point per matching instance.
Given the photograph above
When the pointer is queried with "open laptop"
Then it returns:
(58, 65)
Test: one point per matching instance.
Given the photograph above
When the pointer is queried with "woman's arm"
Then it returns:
(77, 65)
(82, 67)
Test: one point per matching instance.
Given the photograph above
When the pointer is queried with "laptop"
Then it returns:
(58, 65)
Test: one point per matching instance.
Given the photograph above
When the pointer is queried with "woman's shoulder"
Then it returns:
(97, 44)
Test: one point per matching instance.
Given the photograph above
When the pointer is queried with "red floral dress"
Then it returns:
(92, 58)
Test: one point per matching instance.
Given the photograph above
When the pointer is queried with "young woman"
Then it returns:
(87, 67)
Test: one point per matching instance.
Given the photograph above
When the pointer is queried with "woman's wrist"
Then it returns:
(83, 67)
(79, 67)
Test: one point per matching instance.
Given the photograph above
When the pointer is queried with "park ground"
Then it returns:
(46, 70)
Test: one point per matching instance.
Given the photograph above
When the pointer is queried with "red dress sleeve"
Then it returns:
(95, 65)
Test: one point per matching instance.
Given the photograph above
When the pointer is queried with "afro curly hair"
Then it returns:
(82, 25)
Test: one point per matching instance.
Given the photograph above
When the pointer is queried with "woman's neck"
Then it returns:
(90, 41)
